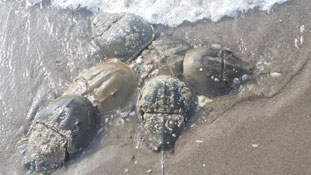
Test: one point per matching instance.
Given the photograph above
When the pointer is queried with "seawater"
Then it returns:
(169, 12)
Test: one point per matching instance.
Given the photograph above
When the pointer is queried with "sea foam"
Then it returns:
(169, 12)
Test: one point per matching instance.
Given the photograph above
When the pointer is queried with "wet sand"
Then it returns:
(268, 133)
(262, 130)
(256, 136)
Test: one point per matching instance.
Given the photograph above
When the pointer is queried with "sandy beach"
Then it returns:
(265, 129)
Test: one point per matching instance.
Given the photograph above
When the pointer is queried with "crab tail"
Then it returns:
(162, 161)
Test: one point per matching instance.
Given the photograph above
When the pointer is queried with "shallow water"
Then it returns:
(169, 12)
(41, 51)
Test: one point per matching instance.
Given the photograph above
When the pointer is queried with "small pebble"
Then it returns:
(126, 170)
(199, 141)
(216, 46)
(149, 171)
(255, 145)
(150, 47)
(139, 60)
(203, 100)
(302, 29)
(275, 74)
(155, 72)
(296, 43)
(301, 40)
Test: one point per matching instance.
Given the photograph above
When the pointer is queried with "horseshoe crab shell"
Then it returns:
(107, 86)
(213, 72)
(164, 106)
(62, 130)
(121, 35)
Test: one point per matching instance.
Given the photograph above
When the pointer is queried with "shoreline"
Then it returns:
(237, 130)
(262, 130)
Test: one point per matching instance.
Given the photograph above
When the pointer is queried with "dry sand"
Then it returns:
(264, 130)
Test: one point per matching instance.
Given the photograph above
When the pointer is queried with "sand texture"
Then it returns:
(264, 129)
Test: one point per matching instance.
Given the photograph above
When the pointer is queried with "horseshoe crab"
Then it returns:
(164, 106)
(67, 125)
(61, 131)
(121, 35)
(106, 85)
(213, 72)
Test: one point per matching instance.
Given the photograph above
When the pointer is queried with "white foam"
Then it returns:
(170, 12)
